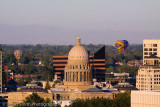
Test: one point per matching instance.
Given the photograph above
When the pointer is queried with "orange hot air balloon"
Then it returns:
(18, 54)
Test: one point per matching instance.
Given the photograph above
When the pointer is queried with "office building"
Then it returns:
(59, 63)
(7, 76)
(148, 77)
(151, 47)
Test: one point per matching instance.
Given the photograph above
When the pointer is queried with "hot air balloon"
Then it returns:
(125, 44)
(18, 54)
(119, 45)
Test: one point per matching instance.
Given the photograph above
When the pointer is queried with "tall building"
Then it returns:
(151, 47)
(59, 63)
(148, 77)
(0, 70)
(6, 76)
(97, 61)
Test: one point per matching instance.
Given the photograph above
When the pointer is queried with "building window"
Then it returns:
(150, 53)
(145, 49)
(73, 76)
(76, 76)
(144, 45)
(154, 49)
(87, 75)
(155, 53)
(146, 53)
(70, 76)
(84, 76)
(80, 76)
(150, 49)
(154, 45)
(66, 76)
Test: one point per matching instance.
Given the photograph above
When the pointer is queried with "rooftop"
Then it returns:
(152, 56)
(32, 88)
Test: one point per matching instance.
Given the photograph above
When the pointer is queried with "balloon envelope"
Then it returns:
(125, 44)
(18, 54)
(119, 45)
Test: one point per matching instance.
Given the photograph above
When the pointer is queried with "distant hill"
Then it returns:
(38, 34)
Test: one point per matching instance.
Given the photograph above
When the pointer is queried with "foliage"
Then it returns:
(44, 53)
(23, 81)
(12, 85)
(28, 69)
(121, 100)
(35, 98)
(55, 82)
(47, 85)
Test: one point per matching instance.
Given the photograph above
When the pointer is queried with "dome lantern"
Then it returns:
(78, 40)
(77, 53)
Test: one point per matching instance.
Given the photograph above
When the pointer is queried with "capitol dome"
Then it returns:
(78, 52)
(78, 70)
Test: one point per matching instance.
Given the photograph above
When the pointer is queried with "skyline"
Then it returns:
(40, 22)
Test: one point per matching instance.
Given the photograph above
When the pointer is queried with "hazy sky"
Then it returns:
(83, 14)
(119, 15)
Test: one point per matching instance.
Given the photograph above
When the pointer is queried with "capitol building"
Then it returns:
(78, 70)
(78, 81)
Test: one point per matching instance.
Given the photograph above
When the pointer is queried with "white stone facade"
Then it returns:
(151, 47)
(145, 98)
(148, 78)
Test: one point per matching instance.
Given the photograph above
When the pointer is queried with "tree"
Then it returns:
(12, 85)
(47, 85)
(122, 99)
(94, 102)
(34, 98)
(24, 81)
(109, 61)
(110, 69)
(31, 62)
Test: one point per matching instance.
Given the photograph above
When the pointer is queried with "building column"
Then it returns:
(71, 76)
(78, 76)
(68, 76)
(83, 76)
